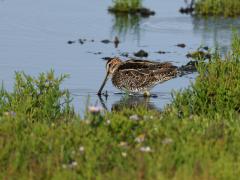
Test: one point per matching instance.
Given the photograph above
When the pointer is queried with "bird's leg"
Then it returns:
(103, 103)
(146, 94)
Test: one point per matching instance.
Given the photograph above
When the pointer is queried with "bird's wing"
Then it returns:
(144, 64)
(133, 79)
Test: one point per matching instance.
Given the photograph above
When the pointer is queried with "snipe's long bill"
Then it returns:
(137, 76)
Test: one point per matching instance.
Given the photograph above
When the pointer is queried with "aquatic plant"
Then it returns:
(202, 53)
(126, 5)
(130, 7)
(227, 8)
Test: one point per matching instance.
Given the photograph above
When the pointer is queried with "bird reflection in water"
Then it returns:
(130, 102)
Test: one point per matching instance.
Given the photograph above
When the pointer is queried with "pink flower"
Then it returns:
(94, 109)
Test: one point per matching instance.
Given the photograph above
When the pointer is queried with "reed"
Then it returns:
(131, 7)
(226, 8)
(126, 5)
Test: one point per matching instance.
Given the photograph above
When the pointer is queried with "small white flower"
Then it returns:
(87, 121)
(146, 149)
(148, 117)
(10, 113)
(74, 164)
(123, 144)
(94, 109)
(167, 141)
(108, 121)
(81, 149)
(140, 138)
(71, 165)
(191, 117)
(124, 154)
(134, 117)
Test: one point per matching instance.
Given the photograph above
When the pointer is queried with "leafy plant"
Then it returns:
(126, 5)
(227, 8)
(38, 99)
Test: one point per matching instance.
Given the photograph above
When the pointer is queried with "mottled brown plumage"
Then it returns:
(138, 75)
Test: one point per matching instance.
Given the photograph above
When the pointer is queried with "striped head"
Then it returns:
(112, 65)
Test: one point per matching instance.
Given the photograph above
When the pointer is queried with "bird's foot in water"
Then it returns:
(105, 94)
(146, 94)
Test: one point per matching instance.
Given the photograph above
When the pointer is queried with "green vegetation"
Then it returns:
(195, 137)
(36, 99)
(227, 8)
(202, 53)
(127, 5)
(133, 7)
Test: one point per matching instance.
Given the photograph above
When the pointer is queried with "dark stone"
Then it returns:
(187, 10)
(141, 53)
(161, 52)
(71, 42)
(81, 41)
(106, 58)
(181, 45)
(97, 53)
(105, 41)
(144, 12)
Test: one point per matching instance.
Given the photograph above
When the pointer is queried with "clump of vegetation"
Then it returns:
(216, 88)
(130, 7)
(202, 53)
(37, 99)
(127, 5)
(195, 137)
(227, 8)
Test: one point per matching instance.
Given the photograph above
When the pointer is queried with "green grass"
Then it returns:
(126, 5)
(227, 8)
(130, 7)
(195, 137)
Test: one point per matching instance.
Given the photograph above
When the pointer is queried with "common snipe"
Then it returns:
(136, 76)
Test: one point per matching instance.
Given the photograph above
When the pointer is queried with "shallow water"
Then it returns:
(34, 38)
